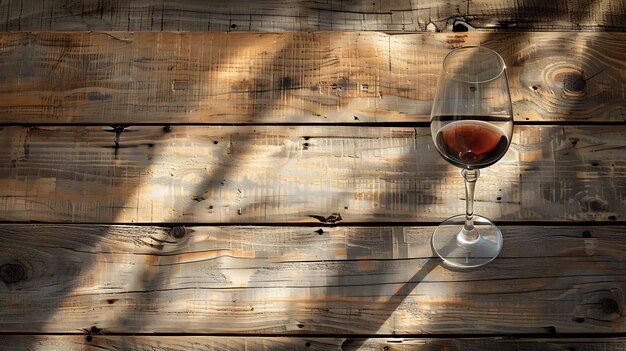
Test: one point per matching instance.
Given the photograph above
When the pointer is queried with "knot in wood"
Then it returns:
(286, 83)
(609, 306)
(12, 273)
(574, 82)
(589, 203)
(178, 232)
(460, 27)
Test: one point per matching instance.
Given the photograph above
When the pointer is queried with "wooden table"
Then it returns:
(170, 183)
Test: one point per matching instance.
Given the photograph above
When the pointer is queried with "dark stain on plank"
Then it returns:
(333, 218)
(96, 96)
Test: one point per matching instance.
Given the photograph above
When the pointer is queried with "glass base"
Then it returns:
(467, 254)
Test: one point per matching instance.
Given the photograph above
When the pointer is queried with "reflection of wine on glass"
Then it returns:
(471, 123)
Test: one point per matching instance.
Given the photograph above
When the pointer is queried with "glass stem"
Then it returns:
(469, 232)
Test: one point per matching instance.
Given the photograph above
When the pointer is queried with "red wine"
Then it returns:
(471, 143)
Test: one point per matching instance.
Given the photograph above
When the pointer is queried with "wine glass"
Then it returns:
(471, 123)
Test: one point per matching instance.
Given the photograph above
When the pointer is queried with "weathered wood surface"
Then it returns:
(280, 174)
(289, 280)
(185, 343)
(300, 15)
(130, 78)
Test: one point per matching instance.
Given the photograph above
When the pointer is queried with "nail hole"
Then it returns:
(586, 234)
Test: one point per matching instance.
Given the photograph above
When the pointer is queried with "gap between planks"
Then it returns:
(319, 224)
(299, 124)
(517, 336)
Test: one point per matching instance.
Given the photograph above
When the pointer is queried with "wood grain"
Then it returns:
(290, 280)
(281, 174)
(300, 15)
(131, 78)
(161, 96)
(184, 343)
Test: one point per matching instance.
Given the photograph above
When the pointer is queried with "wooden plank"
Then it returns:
(184, 343)
(279, 174)
(316, 15)
(547, 16)
(290, 280)
(130, 78)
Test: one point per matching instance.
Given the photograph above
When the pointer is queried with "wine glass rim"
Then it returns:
(480, 47)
